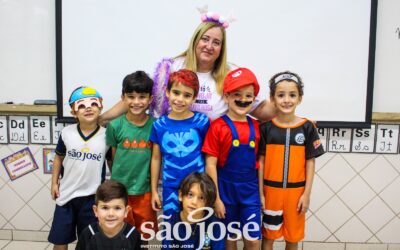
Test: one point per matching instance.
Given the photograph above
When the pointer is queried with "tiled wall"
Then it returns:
(355, 198)
(26, 203)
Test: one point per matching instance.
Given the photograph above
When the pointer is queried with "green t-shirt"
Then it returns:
(131, 165)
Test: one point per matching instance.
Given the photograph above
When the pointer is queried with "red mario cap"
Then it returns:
(238, 78)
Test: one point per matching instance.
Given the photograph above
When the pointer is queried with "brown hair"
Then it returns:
(206, 184)
(110, 190)
(273, 83)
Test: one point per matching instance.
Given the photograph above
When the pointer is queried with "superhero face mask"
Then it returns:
(87, 102)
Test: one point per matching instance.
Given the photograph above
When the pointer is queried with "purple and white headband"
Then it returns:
(208, 16)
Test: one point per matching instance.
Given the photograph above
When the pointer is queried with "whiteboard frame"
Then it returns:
(327, 124)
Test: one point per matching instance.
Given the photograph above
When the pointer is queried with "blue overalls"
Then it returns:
(238, 181)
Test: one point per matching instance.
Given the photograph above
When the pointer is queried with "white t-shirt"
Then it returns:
(83, 162)
(208, 101)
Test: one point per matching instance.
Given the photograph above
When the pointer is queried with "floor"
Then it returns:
(39, 245)
(31, 245)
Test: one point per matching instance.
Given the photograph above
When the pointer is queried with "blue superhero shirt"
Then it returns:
(180, 143)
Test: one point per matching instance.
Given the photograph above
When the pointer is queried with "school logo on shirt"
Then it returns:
(299, 138)
(84, 154)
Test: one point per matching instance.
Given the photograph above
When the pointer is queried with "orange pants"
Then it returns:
(141, 211)
(280, 215)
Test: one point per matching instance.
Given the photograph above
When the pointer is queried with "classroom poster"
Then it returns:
(19, 163)
(48, 160)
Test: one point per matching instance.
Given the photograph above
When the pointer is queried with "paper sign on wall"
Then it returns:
(40, 129)
(3, 130)
(57, 127)
(363, 140)
(48, 160)
(19, 163)
(339, 140)
(323, 135)
(18, 129)
(387, 139)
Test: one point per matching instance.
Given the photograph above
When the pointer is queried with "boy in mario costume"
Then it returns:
(231, 146)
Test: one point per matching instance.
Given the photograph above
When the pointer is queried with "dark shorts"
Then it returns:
(70, 219)
(242, 205)
(248, 217)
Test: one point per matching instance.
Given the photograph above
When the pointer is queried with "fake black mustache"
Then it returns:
(243, 104)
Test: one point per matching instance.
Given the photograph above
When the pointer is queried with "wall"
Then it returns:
(313, 38)
(27, 49)
(27, 46)
(387, 60)
(355, 195)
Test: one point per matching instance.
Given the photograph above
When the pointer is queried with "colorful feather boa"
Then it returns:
(159, 105)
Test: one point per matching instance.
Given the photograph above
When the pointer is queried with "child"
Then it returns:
(288, 148)
(128, 136)
(196, 191)
(111, 232)
(80, 153)
(177, 139)
(231, 148)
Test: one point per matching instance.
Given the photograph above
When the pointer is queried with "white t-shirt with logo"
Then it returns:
(208, 101)
(83, 162)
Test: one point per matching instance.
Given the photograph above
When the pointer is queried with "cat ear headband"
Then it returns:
(208, 16)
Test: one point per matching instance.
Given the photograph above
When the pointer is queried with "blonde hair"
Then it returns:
(220, 69)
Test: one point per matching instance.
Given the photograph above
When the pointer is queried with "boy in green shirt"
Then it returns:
(128, 135)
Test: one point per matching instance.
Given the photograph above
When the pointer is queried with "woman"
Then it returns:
(207, 56)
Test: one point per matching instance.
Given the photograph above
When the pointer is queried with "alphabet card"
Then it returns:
(323, 135)
(40, 129)
(3, 129)
(57, 127)
(363, 140)
(19, 163)
(18, 129)
(339, 140)
(387, 139)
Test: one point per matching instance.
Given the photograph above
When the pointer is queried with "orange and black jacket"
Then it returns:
(286, 150)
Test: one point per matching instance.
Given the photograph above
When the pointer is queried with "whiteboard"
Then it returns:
(27, 51)
(387, 82)
(330, 44)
